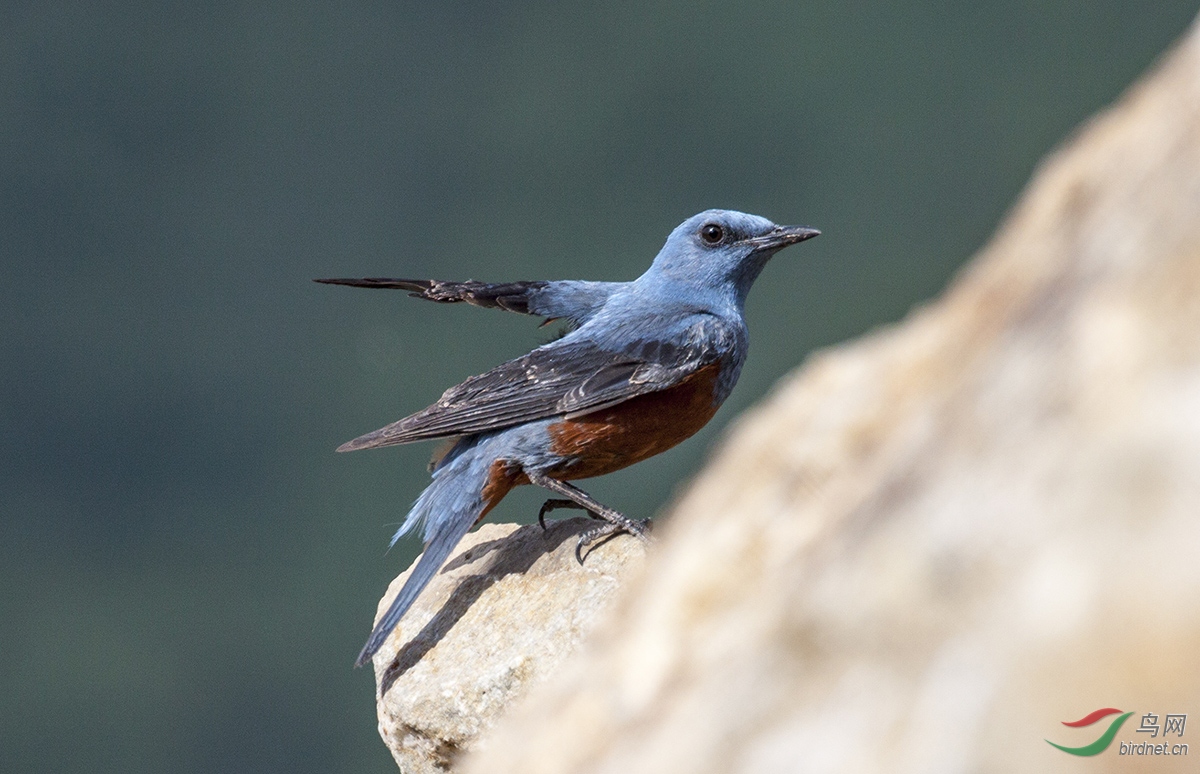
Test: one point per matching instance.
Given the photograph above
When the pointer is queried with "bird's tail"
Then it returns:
(448, 507)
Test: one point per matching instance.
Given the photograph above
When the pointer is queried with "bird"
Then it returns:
(642, 366)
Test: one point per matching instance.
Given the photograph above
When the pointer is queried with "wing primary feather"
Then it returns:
(416, 287)
(509, 296)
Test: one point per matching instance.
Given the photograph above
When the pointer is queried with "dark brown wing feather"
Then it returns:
(568, 380)
(511, 296)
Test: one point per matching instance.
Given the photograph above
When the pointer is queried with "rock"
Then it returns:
(932, 547)
(509, 606)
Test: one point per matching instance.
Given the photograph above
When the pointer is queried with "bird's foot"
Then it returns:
(577, 498)
(596, 535)
(554, 504)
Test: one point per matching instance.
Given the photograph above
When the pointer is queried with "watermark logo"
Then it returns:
(1105, 739)
(1171, 724)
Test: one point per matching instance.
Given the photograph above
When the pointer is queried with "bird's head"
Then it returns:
(724, 249)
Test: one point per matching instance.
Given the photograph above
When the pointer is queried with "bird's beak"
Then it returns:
(780, 236)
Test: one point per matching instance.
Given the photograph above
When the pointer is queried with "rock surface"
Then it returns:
(509, 606)
(933, 546)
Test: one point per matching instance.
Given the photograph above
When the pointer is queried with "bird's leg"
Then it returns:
(617, 522)
(554, 504)
(584, 501)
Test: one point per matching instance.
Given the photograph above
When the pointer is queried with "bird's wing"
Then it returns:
(574, 300)
(511, 296)
(559, 379)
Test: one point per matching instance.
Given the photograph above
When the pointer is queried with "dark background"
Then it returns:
(187, 569)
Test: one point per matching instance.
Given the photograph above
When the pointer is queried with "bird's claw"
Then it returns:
(639, 529)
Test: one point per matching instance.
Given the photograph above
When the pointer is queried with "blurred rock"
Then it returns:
(511, 604)
(931, 547)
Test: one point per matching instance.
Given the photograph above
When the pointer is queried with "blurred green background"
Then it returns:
(187, 569)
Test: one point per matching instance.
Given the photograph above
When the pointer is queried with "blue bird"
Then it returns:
(645, 365)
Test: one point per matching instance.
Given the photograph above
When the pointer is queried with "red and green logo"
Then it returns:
(1101, 744)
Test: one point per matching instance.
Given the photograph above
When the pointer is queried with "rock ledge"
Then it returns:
(509, 606)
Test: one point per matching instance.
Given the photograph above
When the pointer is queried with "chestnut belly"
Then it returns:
(615, 437)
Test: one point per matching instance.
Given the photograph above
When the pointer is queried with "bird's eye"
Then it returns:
(712, 233)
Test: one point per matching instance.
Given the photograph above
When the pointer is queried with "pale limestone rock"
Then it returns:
(509, 606)
(931, 547)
